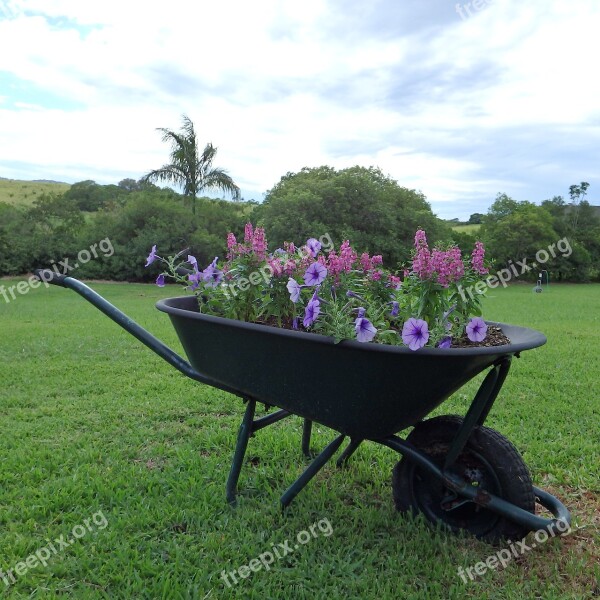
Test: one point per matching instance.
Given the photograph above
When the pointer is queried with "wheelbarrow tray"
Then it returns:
(363, 390)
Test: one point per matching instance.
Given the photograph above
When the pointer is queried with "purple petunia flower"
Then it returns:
(415, 333)
(295, 323)
(313, 308)
(160, 280)
(351, 294)
(151, 257)
(293, 287)
(365, 331)
(212, 276)
(476, 329)
(192, 260)
(445, 342)
(195, 278)
(315, 274)
(395, 309)
(313, 246)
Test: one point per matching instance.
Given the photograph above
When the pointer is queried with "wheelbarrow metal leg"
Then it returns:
(306, 433)
(312, 469)
(479, 409)
(267, 420)
(244, 434)
(348, 452)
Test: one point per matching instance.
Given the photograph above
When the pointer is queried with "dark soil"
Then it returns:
(494, 337)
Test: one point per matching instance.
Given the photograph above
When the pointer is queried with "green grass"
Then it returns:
(24, 193)
(466, 228)
(91, 421)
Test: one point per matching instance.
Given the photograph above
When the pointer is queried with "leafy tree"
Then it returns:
(360, 204)
(90, 196)
(476, 219)
(130, 185)
(189, 168)
(577, 194)
(15, 240)
(514, 231)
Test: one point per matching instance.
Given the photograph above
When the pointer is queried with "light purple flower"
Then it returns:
(361, 312)
(395, 309)
(313, 246)
(313, 308)
(351, 294)
(415, 333)
(212, 276)
(160, 280)
(195, 278)
(192, 260)
(151, 257)
(365, 331)
(295, 323)
(476, 329)
(315, 274)
(445, 342)
(293, 287)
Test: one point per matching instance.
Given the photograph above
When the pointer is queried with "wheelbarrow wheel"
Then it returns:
(488, 461)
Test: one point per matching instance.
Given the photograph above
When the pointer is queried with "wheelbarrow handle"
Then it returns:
(144, 336)
(48, 276)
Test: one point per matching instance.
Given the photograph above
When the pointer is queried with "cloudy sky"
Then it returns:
(460, 101)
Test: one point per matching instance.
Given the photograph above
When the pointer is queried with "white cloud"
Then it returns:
(443, 108)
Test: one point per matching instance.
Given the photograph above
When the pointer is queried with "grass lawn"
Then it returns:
(106, 445)
(472, 229)
(16, 192)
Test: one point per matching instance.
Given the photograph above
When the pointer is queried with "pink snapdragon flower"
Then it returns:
(477, 258)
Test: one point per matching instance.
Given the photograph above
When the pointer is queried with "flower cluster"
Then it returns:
(339, 292)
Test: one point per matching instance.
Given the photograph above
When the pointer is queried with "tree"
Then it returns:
(357, 204)
(577, 193)
(191, 170)
(476, 219)
(515, 231)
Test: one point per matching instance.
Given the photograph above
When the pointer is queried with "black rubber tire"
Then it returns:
(488, 459)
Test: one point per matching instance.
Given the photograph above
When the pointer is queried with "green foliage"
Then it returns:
(149, 218)
(518, 230)
(476, 219)
(15, 255)
(359, 204)
(56, 227)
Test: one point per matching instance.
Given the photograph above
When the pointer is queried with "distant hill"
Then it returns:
(48, 181)
(19, 193)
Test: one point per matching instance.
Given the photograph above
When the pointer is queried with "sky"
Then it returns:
(460, 101)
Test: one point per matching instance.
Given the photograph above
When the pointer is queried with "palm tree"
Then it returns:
(189, 169)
